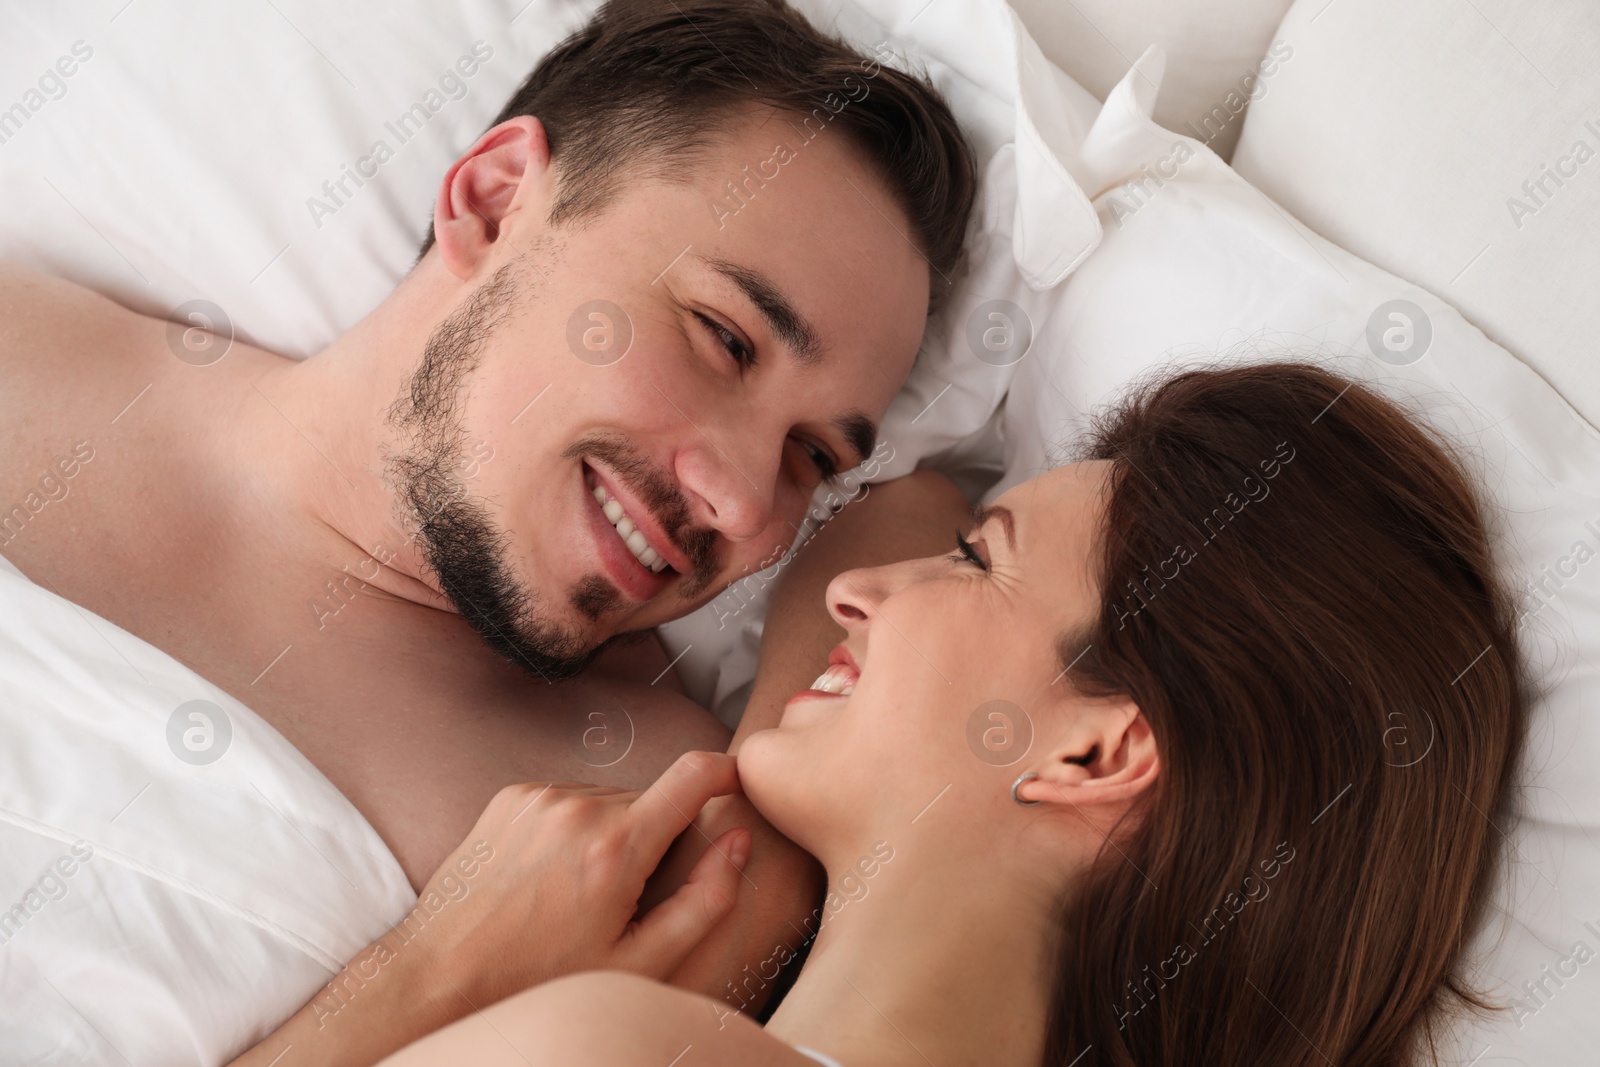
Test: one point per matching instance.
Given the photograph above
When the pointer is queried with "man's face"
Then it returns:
(699, 359)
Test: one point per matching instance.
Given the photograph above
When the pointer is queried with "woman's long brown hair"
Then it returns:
(1298, 592)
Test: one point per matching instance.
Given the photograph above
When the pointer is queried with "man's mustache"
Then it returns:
(665, 500)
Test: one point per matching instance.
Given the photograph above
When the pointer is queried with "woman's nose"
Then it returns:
(854, 596)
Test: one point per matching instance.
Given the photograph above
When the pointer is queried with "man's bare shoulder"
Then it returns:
(59, 340)
(603, 1017)
(32, 302)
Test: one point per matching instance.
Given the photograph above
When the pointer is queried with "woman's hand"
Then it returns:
(547, 884)
(559, 870)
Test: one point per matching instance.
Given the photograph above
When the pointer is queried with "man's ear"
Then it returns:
(506, 171)
(1107, 758)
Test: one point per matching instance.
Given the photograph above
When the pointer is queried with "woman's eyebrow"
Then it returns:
(982, 515)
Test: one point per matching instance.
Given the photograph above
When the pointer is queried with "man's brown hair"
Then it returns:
(647, 84)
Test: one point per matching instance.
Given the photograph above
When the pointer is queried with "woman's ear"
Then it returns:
(1104, 762)
(506, 171)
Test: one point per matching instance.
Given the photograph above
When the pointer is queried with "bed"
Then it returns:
(1407, 202)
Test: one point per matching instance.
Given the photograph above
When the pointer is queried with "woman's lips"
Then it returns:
(839, 680)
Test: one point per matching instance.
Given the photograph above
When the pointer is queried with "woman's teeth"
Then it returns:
(839, 678)
(630, 535)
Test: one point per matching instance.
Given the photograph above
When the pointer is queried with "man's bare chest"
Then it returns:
(420, 740)
(403, 708)
(125, 507)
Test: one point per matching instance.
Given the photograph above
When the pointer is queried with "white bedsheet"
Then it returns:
(155, 910)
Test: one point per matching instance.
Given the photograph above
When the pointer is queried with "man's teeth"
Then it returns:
(838, 679)
(630, 535)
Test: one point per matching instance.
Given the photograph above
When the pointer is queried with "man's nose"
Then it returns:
(732, 494)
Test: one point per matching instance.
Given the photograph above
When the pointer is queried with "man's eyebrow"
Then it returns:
(860, 432)
(783, 320)
(998, 511)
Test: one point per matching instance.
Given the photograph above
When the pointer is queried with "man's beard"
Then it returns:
(459, 541)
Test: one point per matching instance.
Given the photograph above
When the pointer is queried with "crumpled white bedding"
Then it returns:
(156, 909)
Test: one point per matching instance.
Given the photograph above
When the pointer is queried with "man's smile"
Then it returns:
(631, 544)
(629, 532)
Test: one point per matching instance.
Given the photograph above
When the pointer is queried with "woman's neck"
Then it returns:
(934, 963)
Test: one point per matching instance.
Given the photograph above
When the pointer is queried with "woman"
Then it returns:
(1188, 753)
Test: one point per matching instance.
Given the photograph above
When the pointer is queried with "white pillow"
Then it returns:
(230, 153)
(1217, 54)
(1198, 264)
(1441, 141)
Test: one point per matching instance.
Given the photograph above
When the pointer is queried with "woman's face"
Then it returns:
(949, 678)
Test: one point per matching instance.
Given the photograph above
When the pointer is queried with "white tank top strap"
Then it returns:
(822, 1058)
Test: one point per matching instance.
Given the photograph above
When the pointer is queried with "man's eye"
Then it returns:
(729, 341)
(827, 469)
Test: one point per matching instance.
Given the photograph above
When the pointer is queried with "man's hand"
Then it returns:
(780, 891)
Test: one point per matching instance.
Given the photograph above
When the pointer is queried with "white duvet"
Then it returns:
(160, 903)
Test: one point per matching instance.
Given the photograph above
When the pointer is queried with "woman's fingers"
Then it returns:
(666, 809)
(658, 944)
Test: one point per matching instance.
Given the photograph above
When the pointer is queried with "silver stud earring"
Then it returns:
(1016, 784)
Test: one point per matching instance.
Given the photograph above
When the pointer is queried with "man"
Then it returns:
(668, 292)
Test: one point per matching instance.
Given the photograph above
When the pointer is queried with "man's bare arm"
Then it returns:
(908, 518)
